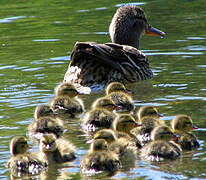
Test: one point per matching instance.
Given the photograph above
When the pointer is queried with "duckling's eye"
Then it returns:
(105, 105)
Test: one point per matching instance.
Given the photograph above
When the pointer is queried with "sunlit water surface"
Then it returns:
(37, 38)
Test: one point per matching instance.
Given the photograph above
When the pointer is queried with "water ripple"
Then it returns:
(11, 19)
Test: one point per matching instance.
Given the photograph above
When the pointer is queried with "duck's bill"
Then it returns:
(154, 32)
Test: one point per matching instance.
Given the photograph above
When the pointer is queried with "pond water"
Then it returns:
(36, 40)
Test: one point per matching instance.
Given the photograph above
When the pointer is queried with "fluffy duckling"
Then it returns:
(149, 117)
(100, 116)
(66, 100)
(161, 148)
(42, 111)
(123, 124)
(183, 125)
(119, 94)
(99, 158)
(54, 150)
(21, 161)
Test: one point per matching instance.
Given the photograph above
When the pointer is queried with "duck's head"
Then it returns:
(125, 123)
(48, 143)
(99, 144)
(18, 145)
(129, 23)
(182, 123)
(43, 110)
(66, 89)
(116, 86)
(104, 102)
(106, 134)
(162, 133)
(147, 111)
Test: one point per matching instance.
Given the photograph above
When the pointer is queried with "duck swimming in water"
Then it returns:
(121, 97)
(42, 111)
(183, 125)
(21, 161)
(93, 64)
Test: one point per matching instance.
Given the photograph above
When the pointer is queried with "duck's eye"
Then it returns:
(107, 105)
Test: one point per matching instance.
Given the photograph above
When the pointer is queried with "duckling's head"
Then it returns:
(147, 111)
(18, 145)
(182, 123)
(43, 110)
(48, 143)
(124, 123)
(162, 133)
(66, 89)
(114, 87)
(99, 144)
(129, 23)
(106, 134)
(105, 103)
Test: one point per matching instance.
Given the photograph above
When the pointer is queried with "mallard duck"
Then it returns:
(183, 125)
(162, 147)
(66, 100)
(100, 116)
(149, 117)
(42, 111)
(119, 94)
(21, 161)
(53, 150)
(99, 158)
(92, 64)
(123, 124)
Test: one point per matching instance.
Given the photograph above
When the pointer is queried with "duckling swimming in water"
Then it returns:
(183, 125)
(42, 111)
(149, 117)
(161, 148)
(21, 161)
(119, 94)
(99, 158)
(100, 116)
(54, 150)
(66, 100)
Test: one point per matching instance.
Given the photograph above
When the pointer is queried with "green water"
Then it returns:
(36, 39)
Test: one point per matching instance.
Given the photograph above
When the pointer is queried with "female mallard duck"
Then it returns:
(54, 150)
(66, 100)
(100, 116)
(161, 148)
(148, 116)
(119, 94)
(93, 64)
(123, 124)
(21, 161)
(183, 125)
(99, 158)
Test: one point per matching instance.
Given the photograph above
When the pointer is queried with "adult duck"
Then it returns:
(183, 126)
(94, 64)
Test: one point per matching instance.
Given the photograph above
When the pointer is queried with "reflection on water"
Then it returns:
(37, 38)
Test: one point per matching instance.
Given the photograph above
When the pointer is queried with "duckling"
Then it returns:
(42, 111)
(53, 150)
(149, 117)
(119, 94)
(45, 125)
(99, 158)
(100, 116)
(183, 125)
(66, 100)
(123, 124)
(21, 161)
(161, 148)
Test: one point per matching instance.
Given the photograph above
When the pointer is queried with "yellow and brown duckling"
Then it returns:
(43, 110)
(149, 117)
(100, 116)
(99, 158)
(161, 147)
(183, 125)
(121, 97)
(53, 150)
(93, 63)
(66, 101)
(21, 161)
